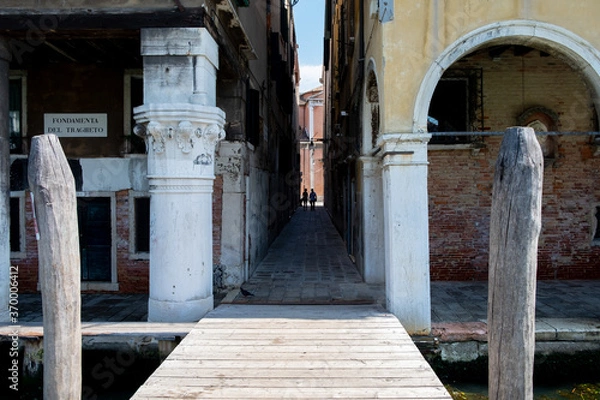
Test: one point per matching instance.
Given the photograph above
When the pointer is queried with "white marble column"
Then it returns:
(182, 127)
(4, 184)
(372, 220)
(406, 229)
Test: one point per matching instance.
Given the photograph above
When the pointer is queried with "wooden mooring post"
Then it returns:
(514, 231)
(51, 181)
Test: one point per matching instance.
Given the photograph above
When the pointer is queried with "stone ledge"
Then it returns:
(573, 329)
(460, 331)
(120, 329)
(547, 329)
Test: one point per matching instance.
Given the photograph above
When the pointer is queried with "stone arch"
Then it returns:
(371, 113)
(553, 39)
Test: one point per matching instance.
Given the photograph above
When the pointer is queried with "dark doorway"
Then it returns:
(449, 105)
(95, 238)
(15, 224)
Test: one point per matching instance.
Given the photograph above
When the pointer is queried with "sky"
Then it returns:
(308, 18)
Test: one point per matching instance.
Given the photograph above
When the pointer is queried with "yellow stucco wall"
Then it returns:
(422, 30)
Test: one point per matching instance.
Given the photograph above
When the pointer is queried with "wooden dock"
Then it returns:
(299, 352)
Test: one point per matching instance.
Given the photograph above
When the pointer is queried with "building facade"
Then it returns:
(177, 119)
(418, 95)
(311, 124)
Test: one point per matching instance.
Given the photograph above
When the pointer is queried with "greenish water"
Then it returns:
(586, 391)
(556, 376)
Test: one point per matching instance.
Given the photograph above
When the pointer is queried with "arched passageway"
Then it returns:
(512, 73)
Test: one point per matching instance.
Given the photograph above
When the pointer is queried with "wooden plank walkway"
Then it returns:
(295, 352)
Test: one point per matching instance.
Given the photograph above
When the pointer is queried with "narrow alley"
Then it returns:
(308, 264)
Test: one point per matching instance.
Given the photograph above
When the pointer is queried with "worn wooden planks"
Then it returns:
(301, 352)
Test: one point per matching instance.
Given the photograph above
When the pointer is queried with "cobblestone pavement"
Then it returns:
(95, 307)
(308, 264)
(467, 301)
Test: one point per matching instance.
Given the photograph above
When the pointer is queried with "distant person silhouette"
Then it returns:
(313, 199)
(304, 199)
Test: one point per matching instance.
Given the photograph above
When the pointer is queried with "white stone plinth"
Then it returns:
(406, 230)
(178, 311)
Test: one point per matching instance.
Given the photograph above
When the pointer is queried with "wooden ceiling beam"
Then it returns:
(60, 51)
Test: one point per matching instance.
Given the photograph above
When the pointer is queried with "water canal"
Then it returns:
(466, 381)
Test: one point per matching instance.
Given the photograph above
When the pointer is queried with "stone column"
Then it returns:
(406, 229)
(182, 126)
(231, 165)
(4, 183)
(372, 220)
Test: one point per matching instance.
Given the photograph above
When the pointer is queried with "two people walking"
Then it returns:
(306, 197)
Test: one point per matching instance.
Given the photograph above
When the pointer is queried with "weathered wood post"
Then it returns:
(514, 231)
(53, 186)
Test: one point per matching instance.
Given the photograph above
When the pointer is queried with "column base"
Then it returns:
(179, 311)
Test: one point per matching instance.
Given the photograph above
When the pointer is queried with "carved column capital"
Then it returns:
(180, 138)
(185, 134)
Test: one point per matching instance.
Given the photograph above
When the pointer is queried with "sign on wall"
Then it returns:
(386, 10)
(76, 125)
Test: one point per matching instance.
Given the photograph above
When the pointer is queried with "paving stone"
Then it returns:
(320, 265)
(575, 329)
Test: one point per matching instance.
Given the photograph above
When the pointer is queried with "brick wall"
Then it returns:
(132, 272)
(460, 181)
(28, 266)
